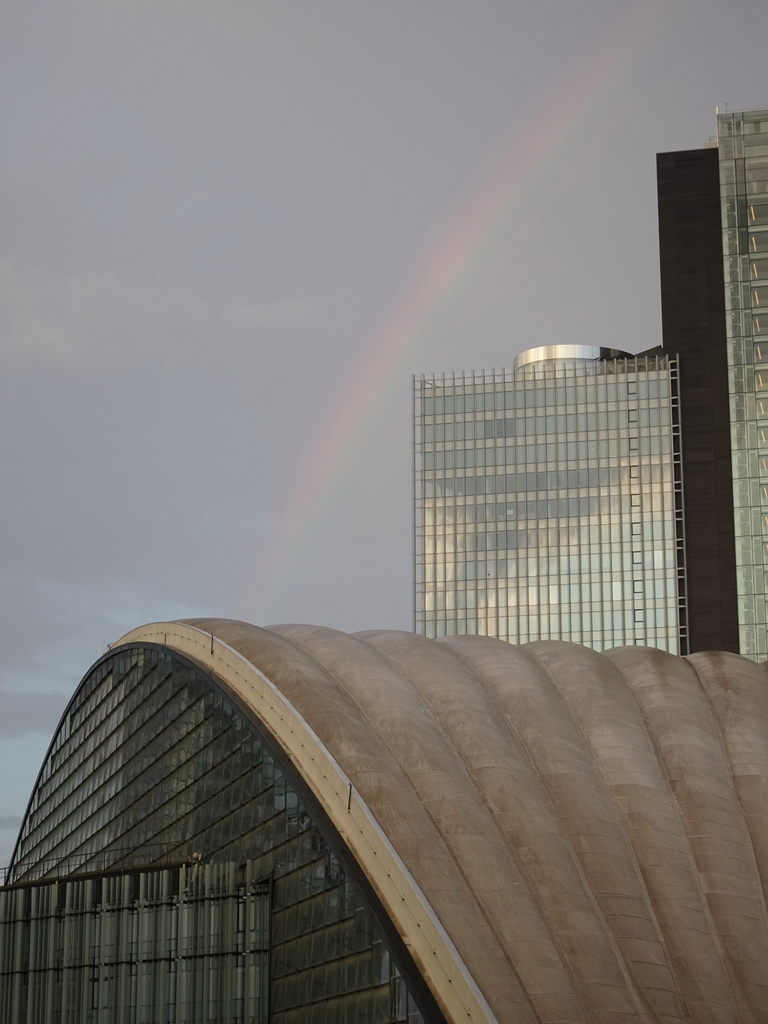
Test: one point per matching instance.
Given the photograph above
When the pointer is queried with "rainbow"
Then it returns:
(575, 99)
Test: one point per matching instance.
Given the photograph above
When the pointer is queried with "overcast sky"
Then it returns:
(231, 232)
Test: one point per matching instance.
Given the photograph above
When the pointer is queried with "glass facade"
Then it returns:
(548, 501)
(743, 161)
(188, 943)
(152, 766)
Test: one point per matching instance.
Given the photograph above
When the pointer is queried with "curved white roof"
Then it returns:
(558, 835)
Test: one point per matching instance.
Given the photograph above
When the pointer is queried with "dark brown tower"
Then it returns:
(693, 326)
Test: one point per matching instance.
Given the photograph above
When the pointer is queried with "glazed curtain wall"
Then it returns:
(548, 504)
(743, 155)
(187, 945)
(153, 762)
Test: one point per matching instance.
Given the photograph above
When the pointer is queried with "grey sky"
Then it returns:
(231, 232)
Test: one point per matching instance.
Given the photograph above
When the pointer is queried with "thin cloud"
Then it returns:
(99, 321)
(106, 323)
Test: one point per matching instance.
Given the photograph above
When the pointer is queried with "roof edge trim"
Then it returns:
(442, 967)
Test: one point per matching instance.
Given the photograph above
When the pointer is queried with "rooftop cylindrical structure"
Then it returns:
(567, 353)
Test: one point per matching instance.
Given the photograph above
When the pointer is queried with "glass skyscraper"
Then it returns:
(548, 501)
(743, 159)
